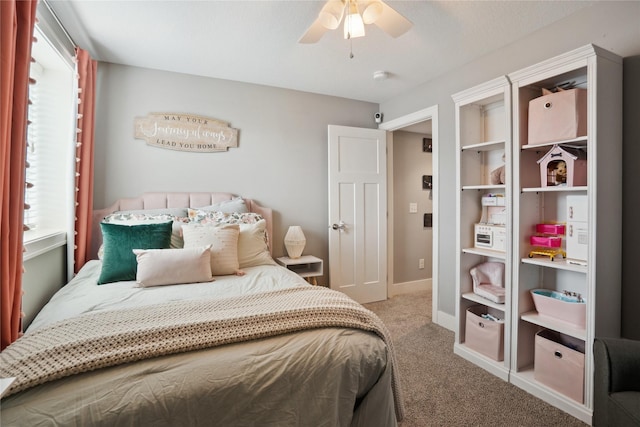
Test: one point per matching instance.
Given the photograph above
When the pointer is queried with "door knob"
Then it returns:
(340, 226)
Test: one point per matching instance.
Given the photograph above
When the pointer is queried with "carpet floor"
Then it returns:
(443, 389)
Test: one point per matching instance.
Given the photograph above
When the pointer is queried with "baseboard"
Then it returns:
(410, 287)
(446, 321)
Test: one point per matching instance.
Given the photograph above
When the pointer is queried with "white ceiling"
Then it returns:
(256, 41)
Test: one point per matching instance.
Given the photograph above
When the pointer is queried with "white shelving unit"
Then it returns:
(492, 119)
(483, 143)
(599, 72)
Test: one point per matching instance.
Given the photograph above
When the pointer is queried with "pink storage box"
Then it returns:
(483, 335)
(550, 228)
(559, 363)
(570, 309)
(558, 116)
(546, 241)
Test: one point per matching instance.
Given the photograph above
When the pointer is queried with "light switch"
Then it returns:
(413, 208)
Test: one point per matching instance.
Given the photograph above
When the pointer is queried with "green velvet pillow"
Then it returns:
(119, 261)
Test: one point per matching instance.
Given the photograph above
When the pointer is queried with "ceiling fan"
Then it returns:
(356, 14)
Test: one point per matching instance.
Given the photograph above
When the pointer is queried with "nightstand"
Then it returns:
(306, 266)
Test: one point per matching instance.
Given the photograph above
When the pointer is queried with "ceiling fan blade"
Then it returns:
(391, 22)
(314, 33)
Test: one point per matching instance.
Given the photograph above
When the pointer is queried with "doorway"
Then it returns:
(416, 122)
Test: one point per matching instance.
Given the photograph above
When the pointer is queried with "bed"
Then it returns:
(255, 346)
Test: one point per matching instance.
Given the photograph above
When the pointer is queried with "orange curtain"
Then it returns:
(16, 34)
(87, 69)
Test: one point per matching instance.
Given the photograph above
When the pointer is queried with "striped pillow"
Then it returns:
(224, 245)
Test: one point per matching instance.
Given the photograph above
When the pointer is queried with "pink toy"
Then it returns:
(563, 166)
(548, 244)
(488, 281)
(546, 241)
(550, 228)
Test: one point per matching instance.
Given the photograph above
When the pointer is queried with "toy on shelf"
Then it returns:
(548, 242)
(490, 232)
(497, 175)
(562, 166)
(488, 281)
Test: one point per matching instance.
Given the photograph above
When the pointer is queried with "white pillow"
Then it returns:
(173, 266)
(237, 204)
(224, 245)
(252, 245)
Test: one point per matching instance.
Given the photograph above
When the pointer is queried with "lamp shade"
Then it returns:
(294, 241)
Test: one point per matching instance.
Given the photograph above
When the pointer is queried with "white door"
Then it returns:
(358, 212)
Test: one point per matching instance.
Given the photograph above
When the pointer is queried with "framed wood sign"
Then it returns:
(185, 132)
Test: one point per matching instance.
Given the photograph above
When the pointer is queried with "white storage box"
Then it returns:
(483, 335)
(558, 116)
(559, 363)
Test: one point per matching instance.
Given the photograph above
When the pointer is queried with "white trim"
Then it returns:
(409, 287)
(447, 321)
(42, 241)
(410, 119)
(430, 113)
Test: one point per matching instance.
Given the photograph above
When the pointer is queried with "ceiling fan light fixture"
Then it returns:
(353, 24)
(376, 12)
(371, 11)
(331, 14)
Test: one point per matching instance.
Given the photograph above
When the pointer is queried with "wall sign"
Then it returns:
(185, 132)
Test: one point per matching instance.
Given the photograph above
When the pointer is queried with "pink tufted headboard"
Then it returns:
(171, 200)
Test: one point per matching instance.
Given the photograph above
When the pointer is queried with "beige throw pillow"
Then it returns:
(158, 267)
(252, 245)
(223, 241)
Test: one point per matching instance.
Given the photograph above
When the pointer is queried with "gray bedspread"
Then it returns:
(324, 377)
(330, 376)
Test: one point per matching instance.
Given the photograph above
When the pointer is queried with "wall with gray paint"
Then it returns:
(610, 25)
(280, 161)
(411, 241)
(43, 276)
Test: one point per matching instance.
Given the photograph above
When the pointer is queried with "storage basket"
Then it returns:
(483, 335)
(559, 363)
(558, 116)
(570, 309)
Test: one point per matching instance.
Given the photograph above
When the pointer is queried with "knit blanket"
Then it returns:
(110, 338)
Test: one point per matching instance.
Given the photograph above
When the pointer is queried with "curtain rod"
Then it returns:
(64, 30)
(53, 29)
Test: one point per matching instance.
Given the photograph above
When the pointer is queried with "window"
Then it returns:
(51, 143)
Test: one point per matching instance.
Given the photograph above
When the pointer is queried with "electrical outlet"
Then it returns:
(413, 208)
(421, 263)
